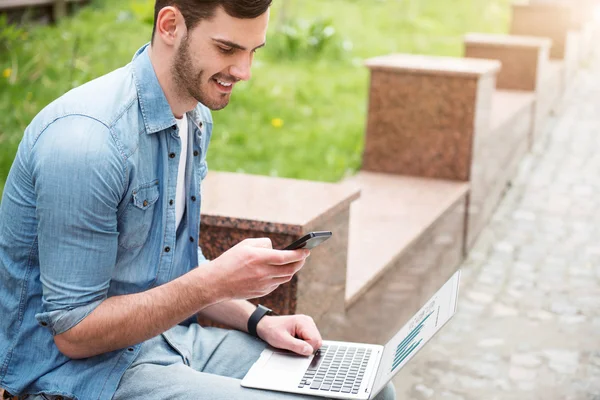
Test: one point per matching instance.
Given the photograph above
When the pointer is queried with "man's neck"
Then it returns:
(179, 105)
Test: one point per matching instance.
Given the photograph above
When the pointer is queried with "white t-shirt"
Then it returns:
(180, 194)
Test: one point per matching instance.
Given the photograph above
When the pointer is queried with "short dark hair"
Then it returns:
(194, 11)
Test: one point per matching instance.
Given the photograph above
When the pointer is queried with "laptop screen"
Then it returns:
(417, 331)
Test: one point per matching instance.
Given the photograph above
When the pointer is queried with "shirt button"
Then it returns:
(196, 153)
(167, 249)
(170, 202)
(43, 323)
(200, 125)
(172, 155)
(193, 198)
(191, 239)
(130, 349)
(145, 203)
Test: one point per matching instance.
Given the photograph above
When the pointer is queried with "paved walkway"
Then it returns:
(528, 322)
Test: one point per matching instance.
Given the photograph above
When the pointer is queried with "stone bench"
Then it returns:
(240, 206)
(497, 154)
(443, 118)
(525, 61)
(582, 20)
(406, 239)
(555, 21)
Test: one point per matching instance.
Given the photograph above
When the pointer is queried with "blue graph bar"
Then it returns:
(407, 342)
(407, 345)
(412, 334)
(407, 353)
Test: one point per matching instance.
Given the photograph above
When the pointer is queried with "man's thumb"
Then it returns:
(300, 347)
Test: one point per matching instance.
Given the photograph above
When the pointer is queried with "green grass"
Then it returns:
(320, 96)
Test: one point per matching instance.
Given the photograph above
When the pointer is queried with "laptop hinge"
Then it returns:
(373, 378)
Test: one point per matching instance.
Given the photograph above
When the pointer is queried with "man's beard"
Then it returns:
(191, 83)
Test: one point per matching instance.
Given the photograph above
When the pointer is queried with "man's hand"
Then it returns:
(252, 269)
(297, 333)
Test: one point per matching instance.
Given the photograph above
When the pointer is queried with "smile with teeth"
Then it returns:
(224, 83)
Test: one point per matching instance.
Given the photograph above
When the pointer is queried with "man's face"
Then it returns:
(216, 54)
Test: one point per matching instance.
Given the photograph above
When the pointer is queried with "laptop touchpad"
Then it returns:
(287, 362)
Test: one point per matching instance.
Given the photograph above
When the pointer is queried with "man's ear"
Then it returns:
(169, 25)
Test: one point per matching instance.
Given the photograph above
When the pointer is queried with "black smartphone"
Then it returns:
(309, 241)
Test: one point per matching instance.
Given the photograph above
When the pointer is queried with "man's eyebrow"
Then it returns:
(235, 45)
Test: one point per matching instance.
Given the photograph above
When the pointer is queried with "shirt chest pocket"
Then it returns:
(136, 221)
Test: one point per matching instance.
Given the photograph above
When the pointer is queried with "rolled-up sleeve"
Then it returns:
(78, 172)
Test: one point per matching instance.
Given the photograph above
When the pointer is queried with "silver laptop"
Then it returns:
(344, 370)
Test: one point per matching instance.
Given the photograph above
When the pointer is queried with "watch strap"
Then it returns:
(256, 316)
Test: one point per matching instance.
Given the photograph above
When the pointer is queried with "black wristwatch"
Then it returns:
(256, 316)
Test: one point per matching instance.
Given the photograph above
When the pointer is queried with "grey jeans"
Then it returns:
(200, 363)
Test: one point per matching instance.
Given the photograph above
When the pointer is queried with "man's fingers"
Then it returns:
(307, 330)
(283, 271)
(282, 257)
(263, 242)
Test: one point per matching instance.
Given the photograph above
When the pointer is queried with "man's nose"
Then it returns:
(241, 69)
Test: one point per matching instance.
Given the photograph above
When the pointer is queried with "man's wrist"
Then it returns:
(209, 282)
(258, 314)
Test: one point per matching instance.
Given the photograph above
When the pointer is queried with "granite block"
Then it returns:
(240, 206)
(582, 11)
(406, 285)
(521, 57)
(547, 20)
(524, 63)
(269, 204)
(321, 284)
(215, 240)
(431, 137)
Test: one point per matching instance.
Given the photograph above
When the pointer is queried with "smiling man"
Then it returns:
(101, 276)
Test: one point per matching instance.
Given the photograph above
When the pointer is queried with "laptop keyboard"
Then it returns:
(337, 369)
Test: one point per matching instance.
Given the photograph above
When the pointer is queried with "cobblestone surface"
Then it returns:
(528, 321)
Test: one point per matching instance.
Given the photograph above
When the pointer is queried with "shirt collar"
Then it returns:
(156, 110)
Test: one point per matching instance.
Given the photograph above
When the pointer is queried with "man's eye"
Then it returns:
(226, 50)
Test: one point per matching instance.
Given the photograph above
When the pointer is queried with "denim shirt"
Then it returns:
(88, 212)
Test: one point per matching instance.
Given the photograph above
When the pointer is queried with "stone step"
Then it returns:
(406, 239)
(393, 214)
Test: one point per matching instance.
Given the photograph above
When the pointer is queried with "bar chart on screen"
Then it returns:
(409, 344)
(420, 329)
